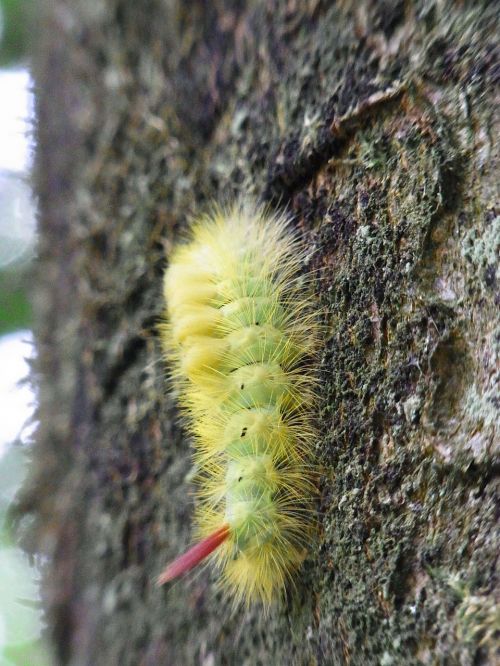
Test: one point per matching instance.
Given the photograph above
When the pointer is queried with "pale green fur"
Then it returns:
(242, 335)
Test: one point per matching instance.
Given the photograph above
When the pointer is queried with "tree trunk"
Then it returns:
(372, 122)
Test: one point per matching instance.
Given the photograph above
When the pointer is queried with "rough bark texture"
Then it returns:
(373, 122)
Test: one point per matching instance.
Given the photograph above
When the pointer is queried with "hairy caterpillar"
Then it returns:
(241, 335)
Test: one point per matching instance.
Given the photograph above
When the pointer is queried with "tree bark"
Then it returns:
(372, 122)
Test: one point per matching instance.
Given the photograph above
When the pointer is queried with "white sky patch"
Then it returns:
(16, 114)
(16, 396)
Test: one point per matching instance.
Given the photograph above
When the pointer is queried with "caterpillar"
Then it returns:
(241, 336)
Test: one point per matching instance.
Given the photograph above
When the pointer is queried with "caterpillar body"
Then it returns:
(241, 336)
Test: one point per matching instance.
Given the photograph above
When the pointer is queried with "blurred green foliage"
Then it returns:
(13, 31)
(20, 613)
(15, 306)
(20, 609)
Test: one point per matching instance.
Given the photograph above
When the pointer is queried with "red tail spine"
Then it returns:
(194, 555)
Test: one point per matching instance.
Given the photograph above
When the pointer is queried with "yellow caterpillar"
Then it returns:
(241, 336)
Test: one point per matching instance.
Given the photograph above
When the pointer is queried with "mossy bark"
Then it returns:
(372, 123)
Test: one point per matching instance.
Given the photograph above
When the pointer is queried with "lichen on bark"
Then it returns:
(373, 123)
